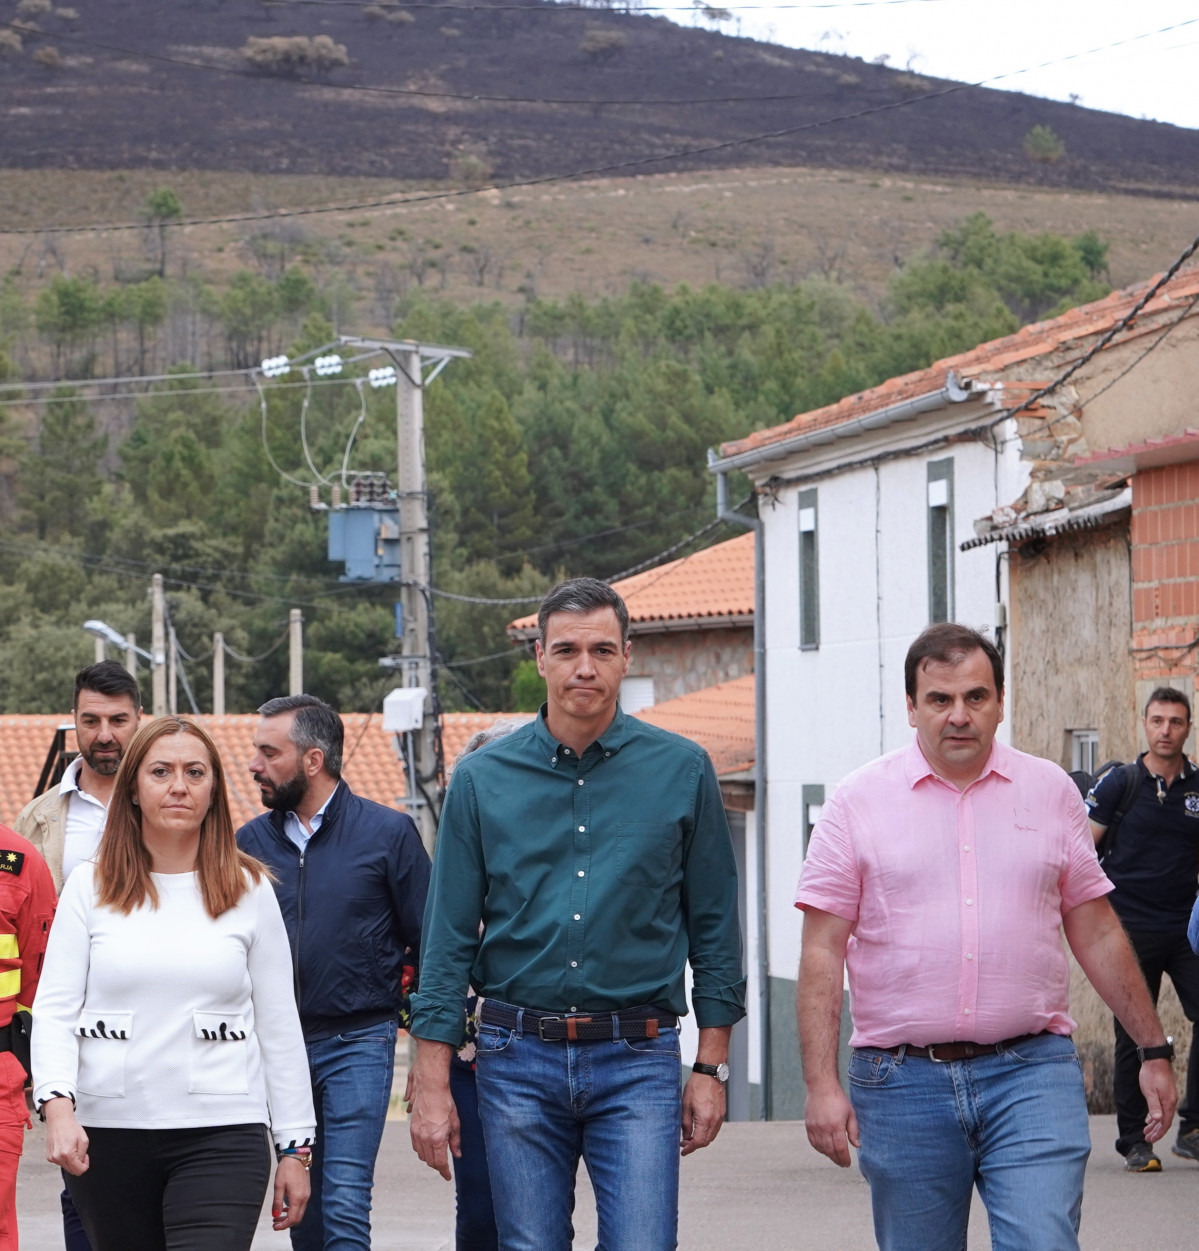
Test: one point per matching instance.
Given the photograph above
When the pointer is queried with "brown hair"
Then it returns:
(948, 643)
(123, 878)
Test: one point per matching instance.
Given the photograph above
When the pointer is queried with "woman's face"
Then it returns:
(174, 785)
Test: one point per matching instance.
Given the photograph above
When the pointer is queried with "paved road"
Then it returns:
(760, 1187)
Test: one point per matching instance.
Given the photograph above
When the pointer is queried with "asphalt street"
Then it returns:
(758, 1187)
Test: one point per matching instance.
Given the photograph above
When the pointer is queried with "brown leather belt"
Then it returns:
(943, 1053)
(641, 1022)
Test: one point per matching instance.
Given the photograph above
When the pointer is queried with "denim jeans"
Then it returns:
(474, 1227)
(615, 1103)
(1014, 1124)
(351, 1086)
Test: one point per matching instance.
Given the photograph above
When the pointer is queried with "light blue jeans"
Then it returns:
(615, 1103)
(1014, 1124)
(351, 1087)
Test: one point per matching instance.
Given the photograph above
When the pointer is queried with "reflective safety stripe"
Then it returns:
(10, 949)
(10, 984)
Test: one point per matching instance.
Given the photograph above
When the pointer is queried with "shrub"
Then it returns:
(67, 15)
(470, 169)
(10, 43)
(48, 58)
(600, 44)
(1043, 145)
(34, 8)
(292, 54)
(387, 13)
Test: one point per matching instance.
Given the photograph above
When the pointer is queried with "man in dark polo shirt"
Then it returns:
(1153, 863)
(593, 850)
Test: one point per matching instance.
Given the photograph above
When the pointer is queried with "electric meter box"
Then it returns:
(404, 709)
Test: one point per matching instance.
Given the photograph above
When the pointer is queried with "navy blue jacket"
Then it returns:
(353, 904)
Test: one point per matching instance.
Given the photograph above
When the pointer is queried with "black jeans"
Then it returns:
(474, 1228)
(1165, 951)
(173, 1189)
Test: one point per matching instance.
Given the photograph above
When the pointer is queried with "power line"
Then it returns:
(253, 660)
(592, 171)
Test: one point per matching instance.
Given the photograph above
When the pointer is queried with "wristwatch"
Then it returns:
(1164, 1052)
(719, 1071)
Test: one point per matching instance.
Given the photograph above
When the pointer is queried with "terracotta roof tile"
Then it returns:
(719, 718)
(717, 582)
(988, 359)
(371, 766)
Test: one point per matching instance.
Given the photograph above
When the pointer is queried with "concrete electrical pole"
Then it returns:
(295, 652)
(218, 674)
(158, 647)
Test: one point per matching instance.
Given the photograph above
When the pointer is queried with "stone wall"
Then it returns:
(683, 661)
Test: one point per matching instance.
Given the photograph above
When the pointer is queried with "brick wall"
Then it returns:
(1165, 572)
(689, 660)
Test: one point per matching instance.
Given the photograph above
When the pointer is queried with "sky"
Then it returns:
(971, 40)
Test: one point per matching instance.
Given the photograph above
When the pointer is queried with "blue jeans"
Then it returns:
(351, 1087)
(474, 1228)
(617, 1104)
(1014, 1124)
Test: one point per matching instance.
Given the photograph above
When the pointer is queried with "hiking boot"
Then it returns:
(1140, 1159)
(1187, 1145)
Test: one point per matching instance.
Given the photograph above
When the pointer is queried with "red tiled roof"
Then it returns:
(989, 359)
(371, 767)
(714, 584)
(719, 718)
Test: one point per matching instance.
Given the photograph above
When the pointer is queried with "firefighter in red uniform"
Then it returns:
(27, 902)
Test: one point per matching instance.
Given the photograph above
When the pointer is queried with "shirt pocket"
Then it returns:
(645, 851)
(219, 1061)
(103, 1049)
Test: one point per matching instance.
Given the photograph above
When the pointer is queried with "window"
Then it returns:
(940, 540)
(809, 573)
(1084, 750)
(636, 693)
(813, 800)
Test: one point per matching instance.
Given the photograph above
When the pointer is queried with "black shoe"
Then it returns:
(1187, 1145)
(1140, 1159)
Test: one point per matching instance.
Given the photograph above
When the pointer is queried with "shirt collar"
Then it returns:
(916, 766)
(70, 777)
(610, 741)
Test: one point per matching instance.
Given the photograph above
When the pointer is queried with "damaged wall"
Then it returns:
(1070, 620)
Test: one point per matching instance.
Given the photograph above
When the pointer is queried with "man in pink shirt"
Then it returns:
(942, 875)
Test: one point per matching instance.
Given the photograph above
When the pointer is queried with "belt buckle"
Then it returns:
(932, 1055)
(541, 1024)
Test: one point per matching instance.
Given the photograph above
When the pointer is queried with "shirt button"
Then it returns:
(580, 872)
(969, 955)
(553, 760)
(578, 916)
(607, 754)
(582, 829)
(966, 847)
(574, 964)
(969, 902)
(580, 781)
(965, 1011)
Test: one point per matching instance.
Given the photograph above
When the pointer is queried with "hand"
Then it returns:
(1161, 1096)
(66, 1141)
(408, 1092)
(703, 1111)
(290, 1198)
(831, 1124)
(433, 1120)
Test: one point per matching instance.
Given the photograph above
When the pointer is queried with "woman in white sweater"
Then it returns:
(166, 1039)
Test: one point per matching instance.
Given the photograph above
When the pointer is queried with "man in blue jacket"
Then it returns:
(351, 877)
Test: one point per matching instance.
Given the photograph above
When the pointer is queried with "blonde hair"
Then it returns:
(123, 878)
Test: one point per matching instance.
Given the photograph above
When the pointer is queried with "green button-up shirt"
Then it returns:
(596, 879)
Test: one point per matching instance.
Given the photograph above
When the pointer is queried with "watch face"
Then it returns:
(722, 1072)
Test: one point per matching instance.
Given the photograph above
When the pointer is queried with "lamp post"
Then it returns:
(104, 633)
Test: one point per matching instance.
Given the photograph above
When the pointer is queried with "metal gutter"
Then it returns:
(953, 392)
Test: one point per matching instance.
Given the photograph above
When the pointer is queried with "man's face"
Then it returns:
(1166, 730)
(104, 724)
(956, 713)
(583, 663)
(277, 765)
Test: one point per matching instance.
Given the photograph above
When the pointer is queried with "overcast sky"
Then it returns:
(972, 40)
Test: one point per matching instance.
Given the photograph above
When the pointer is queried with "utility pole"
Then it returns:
(172, 673)
(414, 664)
(158, 646)
(98, 652)
(218, 674)
(295, 652)
(131, 654)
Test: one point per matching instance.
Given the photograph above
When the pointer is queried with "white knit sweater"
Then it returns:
(167, 1019)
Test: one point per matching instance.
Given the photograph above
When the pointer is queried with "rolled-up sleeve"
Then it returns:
(710, 904)
(450, 941)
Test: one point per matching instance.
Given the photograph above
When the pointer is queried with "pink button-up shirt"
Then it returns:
(957, 897)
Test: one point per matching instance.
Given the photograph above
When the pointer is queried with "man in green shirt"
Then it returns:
(593, 850)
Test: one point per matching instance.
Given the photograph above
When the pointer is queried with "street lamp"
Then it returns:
(104, 633)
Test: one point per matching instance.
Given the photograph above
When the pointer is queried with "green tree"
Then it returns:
(1043, 144)
(68, 315)
(162, 208)
(59, 473)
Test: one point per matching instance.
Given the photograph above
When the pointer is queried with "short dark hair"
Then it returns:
(109, 677)
(1168, 695)
(582, 595)
(316, 725)
(947, 643)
